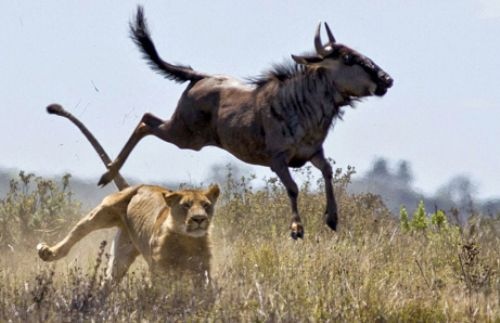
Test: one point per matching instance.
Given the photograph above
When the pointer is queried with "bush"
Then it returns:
(35, 209)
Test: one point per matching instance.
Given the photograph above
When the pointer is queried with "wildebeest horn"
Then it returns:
(317, 42)
(320, 49)
(330, 35)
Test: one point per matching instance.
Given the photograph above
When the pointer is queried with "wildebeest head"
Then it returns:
(354, 75)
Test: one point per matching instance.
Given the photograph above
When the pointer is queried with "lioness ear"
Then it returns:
(213, 193)
(172, 198)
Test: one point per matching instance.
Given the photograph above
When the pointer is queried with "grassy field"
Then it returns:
(376, 268)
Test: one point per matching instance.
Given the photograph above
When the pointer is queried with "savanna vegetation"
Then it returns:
(379, 267)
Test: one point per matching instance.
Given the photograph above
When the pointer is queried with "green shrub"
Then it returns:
(404, 219)
(438, 219)
(419, 220)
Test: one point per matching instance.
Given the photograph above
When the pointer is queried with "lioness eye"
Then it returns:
(186, 205)
(206, 205)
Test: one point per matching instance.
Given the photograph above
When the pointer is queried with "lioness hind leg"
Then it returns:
(123, 254)
(101, 217)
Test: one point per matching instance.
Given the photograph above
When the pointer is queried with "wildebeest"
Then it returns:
(279, 119)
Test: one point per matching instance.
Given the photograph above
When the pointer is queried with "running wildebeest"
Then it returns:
(279, 119)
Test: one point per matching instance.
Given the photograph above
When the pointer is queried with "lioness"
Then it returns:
(170, 229)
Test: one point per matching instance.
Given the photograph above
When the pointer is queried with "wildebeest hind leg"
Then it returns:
(319, 161)
(144, 128)
(281, 169)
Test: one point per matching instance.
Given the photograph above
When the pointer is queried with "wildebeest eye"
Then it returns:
(348, 60)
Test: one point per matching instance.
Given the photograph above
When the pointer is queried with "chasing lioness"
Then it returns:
(170, 229)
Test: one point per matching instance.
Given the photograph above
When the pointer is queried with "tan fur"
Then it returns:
(170, 229)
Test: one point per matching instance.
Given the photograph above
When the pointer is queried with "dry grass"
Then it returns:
(370, 271)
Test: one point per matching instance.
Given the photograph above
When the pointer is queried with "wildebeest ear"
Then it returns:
(213, 192)
(172, 198)
(304, 60)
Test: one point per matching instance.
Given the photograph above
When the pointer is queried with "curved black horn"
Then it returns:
(330, 34)
(317, 42)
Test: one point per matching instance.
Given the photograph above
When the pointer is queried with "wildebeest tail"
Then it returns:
(141, 36)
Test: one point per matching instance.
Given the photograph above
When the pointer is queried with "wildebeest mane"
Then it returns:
(303, 79)
(279, 72)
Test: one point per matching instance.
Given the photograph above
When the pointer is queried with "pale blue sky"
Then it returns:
(442, 114)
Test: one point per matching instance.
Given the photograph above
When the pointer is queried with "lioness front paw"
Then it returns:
(44, 252)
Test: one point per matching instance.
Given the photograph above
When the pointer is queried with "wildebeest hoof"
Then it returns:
(331, 221)
(297, 231)
(44, 252)
(106, 178)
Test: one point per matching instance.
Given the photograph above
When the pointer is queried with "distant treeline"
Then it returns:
(394, 183)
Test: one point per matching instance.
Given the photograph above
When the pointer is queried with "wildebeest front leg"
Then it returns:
(280, 167)
(145, 127)
(320, 162)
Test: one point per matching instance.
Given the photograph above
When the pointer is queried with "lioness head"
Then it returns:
(191, 211)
